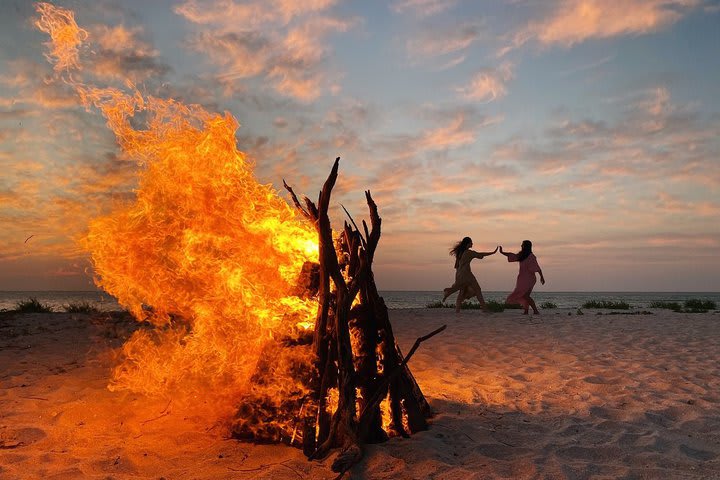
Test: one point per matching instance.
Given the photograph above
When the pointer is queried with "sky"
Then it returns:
(591, 127)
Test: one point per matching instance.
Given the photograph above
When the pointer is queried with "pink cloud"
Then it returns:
(232, 15)
(280, 41)
(679, 240)
(241, 55)
(676, 205)
(437, 42)
(456, 134)
(575, 21)
(488, 84)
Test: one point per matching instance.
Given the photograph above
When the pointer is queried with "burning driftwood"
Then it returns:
(357, 362)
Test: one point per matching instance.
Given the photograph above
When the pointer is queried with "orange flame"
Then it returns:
(65, 36)
(205, 252)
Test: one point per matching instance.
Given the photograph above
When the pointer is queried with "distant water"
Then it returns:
(406, 299)
(393, 299)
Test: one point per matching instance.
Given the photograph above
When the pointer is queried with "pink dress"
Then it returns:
(525, 279)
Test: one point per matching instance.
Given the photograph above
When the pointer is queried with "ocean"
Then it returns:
(393, 299)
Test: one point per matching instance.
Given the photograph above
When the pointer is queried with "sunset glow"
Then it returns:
(589, 127)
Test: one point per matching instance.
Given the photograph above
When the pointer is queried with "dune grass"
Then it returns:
(699, 306)
(492, 306)
(495, 307)
(689, 306)
(32, 305)
(548, 305)
(607, 304)
(674, 306)
(464, 306)
(81, 307)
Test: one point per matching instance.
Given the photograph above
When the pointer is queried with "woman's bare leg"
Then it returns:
(479, 295)
(460, 300)
(524, 303)
(476, 291)
(448, 291)
(532, 304)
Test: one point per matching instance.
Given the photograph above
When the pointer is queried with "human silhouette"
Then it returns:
(526, 276)
(465, 282)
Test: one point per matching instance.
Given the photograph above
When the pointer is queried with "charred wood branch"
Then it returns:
(357, 362)
(362, 239)
(399, 369)
(296, 202)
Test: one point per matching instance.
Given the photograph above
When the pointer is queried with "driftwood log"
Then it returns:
(353, 346)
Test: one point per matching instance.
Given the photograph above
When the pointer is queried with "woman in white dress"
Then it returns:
(465, 281)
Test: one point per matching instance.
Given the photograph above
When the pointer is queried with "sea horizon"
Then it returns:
(394, 299)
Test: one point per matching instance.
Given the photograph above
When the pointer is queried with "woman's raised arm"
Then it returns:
(484, 254)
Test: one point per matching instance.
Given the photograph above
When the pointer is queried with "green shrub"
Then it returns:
(606, 304)
(548, 305)
(464, 306)
(82, 307)
(689, 306)
(32, 305)
(437, 304)
(674, 306)
(699, 306)
(492, 306)
(495, 307)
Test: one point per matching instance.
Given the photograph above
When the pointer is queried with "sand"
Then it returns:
(554, 396)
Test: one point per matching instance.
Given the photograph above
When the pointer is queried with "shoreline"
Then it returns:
(393, 299)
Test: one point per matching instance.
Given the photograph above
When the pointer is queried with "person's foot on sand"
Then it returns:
(525, 312)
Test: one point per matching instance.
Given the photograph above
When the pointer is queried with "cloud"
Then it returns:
(455, 134)
(658, 102)
(574, 21)
(480, 179)
(449, 129)
(676, 205)
(434, 42)
(297, 71)
(232, 15)
(651, 144)
(488, 84)
(240, 54)
(281, 42)
(122, 54)
(423, 8)
(683, 240)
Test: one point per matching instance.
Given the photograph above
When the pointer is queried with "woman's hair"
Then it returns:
(525, 250)
(459, 248)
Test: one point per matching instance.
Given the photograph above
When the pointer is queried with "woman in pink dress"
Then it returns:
(465, 281)
(526, 277)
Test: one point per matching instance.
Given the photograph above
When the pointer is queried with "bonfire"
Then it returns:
(257, 307)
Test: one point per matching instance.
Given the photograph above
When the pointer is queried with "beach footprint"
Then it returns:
(696, 454)
(21, 437)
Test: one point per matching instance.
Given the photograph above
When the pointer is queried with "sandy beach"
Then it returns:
(554, 396)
